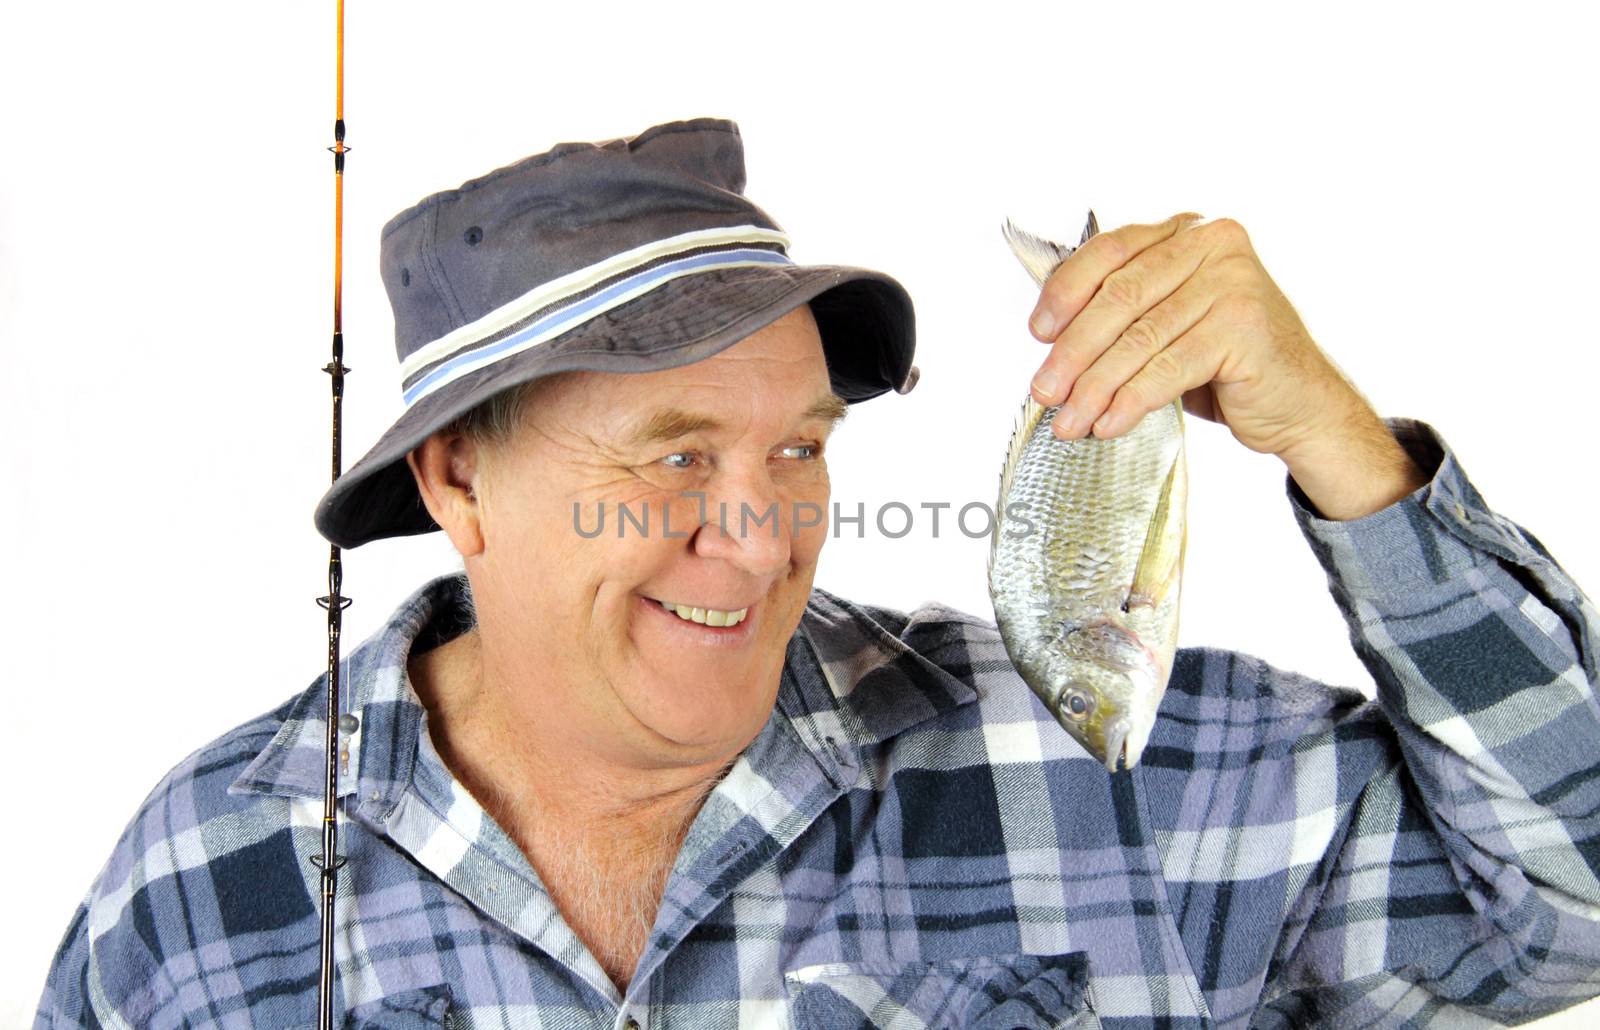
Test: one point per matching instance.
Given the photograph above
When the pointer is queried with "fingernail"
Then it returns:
(1105, 425)
(1043, 323)
(1045, 383)
(1066, 422)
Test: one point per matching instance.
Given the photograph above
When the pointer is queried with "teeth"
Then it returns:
(706, 616)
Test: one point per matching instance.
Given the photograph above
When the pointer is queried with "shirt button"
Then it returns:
(631, 1024)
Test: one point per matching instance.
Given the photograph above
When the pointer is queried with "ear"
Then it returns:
(445, 466)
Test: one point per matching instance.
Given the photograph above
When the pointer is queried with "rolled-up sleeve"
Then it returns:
(1467, 876)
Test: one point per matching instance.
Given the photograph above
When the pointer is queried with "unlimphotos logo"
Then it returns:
(892, 519)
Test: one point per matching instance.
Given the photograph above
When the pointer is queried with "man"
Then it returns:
(656, 779)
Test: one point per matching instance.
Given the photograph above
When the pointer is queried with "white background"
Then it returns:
(1418, 180)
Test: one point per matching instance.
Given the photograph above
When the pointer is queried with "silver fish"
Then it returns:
(1086, 559)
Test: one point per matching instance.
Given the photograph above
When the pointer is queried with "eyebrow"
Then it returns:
(673, 423)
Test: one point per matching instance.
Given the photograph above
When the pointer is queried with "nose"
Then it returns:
(746, 522)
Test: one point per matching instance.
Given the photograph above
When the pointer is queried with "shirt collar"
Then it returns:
(868, 673)
(376, 690)
(854, 677)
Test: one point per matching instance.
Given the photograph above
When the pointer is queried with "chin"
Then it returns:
(706, 712)
(708, 688)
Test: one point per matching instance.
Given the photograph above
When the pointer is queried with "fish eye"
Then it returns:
(1078, 705)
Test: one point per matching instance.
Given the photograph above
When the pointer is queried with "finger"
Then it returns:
(1071, 286)
(1124, 295)
(1092, 390)
(1127, 293)
(1189, 362)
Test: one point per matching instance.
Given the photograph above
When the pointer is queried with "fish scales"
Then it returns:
(1086, 590)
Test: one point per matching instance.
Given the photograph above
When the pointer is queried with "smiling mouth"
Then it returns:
(704, 616)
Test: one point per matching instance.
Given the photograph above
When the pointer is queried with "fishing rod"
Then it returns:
(330, 860)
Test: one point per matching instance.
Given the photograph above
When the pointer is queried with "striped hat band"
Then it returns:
(553, 308)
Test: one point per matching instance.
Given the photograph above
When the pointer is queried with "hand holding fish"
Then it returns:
(1144, 314)
(1148, 321)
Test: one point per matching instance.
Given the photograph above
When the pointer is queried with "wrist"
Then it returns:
(1351, 473)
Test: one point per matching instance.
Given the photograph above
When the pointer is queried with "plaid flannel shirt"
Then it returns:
(911, 841)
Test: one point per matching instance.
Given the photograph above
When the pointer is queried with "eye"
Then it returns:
(806, 450)
(1077, 704)
(679, 459)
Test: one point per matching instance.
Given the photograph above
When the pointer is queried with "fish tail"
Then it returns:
(1040, 256)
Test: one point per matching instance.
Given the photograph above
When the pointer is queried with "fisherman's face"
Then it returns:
(745, 428)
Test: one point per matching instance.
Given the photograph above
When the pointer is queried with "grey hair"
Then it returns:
(494, 420)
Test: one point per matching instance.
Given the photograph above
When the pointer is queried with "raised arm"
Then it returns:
(1469, 870)
(1432, 855)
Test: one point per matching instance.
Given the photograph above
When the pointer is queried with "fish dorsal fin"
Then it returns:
(1027, 419)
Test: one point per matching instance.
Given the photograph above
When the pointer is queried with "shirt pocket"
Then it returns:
(427, 1008)
(990, 992)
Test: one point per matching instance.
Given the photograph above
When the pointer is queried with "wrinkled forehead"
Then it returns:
(778, 372)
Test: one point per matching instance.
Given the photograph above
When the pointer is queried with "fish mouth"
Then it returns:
(1116, 746)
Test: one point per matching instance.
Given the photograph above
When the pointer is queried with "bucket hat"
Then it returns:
(629, 255)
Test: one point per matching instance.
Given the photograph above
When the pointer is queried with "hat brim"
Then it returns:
(865, 319)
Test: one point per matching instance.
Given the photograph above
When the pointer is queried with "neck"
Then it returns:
(528, 753)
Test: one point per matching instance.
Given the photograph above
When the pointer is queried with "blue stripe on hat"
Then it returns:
(562, 319)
